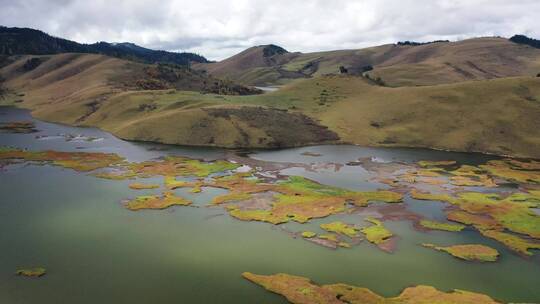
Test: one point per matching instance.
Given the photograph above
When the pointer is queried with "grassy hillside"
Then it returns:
(497, 116)
(396, 65)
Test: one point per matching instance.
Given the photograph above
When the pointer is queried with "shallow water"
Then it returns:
(96, 251)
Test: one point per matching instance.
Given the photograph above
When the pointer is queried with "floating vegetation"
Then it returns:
(32, 272)
(78, 161)
(492, 213)
(329, 237)
(164, 201)
(469, 252)
(18, 127)
(313, 154)
(377, 233)
(308, 234)
(440, 163)
(141, 186)
(297, 199)
(441, 226)
(341, 228)
(514, 170)
(180, 166)
(512, 241)
(511, 219)
(344, 245)
(300, 290)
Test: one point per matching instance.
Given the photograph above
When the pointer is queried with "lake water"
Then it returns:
(97, 251)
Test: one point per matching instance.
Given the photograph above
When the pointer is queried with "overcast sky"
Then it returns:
(218, 29)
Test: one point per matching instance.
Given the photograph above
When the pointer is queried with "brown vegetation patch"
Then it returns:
(283, 128)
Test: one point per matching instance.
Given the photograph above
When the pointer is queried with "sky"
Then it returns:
(218, 29)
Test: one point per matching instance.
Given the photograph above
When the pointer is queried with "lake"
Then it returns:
(97, 251)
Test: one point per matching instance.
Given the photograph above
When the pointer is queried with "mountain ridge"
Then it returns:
(400, 64)
(27, 41)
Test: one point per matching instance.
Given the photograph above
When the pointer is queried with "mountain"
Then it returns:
(402, 64)
(152, 103)
(474, 95)
(25, 41)
(262, 63)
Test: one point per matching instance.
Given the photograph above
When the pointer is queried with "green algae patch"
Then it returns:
(377, 233)
(441, 226)
(469, 252)
(340, 228)
(32, 272)
(142, 186)
(308, 234)
(164, 201)
(301, 290)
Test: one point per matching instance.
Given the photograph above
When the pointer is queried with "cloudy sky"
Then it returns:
(218, 29)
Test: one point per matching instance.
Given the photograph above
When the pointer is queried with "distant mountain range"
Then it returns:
(16, 41)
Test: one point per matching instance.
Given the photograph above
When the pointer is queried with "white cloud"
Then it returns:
(217, 29)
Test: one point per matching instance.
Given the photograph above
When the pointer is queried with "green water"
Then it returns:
(96, 251)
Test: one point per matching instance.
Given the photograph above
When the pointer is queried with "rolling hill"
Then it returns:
(497, 116)
(396, 64)
(473, 95)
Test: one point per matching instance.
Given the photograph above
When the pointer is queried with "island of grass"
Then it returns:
(18, 127)
(469, 252)
(341, 228)
(300, 290)
(32, 272)
(377, 233)
(78, 161)
(507, 219)
(308, 234)
(142, 186)
(164, 201)
(441, 226)
(296, 198)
